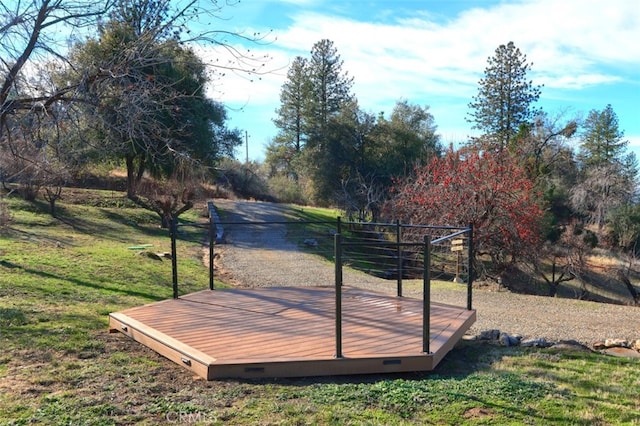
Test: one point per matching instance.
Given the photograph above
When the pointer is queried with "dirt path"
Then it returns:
(262, 256)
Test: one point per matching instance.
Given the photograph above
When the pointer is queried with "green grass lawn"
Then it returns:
(60, 278)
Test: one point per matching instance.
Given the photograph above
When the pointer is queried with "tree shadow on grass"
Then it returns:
(113, 228)
(111, 289)
(110, 225)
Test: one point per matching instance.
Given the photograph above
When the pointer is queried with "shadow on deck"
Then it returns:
(291, 332)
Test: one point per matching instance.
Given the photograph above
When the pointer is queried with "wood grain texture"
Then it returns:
(290, 331)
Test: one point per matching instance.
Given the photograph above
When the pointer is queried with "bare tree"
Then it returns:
(565, 259)
(32, 153)
(361, 196)
(30, 36)
(544, 144)
(603, 188)
(33, 33)
(37, 35)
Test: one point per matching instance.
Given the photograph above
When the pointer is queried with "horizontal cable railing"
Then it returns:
(387, 251)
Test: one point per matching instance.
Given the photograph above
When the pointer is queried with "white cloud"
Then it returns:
(566, 40)
(634, 142)
(577, 82)
(429, 60)
(237, 83)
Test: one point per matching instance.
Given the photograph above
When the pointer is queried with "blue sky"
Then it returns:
(432, 53)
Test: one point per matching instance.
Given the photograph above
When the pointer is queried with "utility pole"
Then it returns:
(246, 143)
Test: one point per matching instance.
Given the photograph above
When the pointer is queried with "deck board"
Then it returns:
(290, 331)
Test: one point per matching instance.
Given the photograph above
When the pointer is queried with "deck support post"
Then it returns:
(174, 256)
(426, 295)
(338, 284)
(212, 243)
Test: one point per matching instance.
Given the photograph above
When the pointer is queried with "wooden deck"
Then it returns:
(290, 332)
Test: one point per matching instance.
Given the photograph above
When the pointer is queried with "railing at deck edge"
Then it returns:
(216, 234)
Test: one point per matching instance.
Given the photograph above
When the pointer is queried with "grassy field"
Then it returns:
(60, 278)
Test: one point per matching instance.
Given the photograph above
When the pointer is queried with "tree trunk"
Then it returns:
(165, 220)
(131, 192)
(134, 174)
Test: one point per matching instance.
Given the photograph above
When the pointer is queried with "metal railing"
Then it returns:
(426, 289)
(215, 232)
(364, 238)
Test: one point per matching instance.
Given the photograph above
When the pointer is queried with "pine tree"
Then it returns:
(602, 139)
(286, 147)
(504, 100)
(293, 95)
(608, 174)
(330, 89)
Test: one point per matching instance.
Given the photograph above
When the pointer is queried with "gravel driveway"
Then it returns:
(264, 257)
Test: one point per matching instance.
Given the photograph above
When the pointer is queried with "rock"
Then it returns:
(507, 340)
(622, 352)
(571, 345)
(504, 339)
(311, 242)
(540, 342)
(489, 335)
(616, 343)
(599, 345)
(635, 345)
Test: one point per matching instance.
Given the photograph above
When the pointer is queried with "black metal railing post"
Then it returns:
(174, 256)
(212, 243)
(399, 255)
(470, 269)
(426, 296)
(338, 284)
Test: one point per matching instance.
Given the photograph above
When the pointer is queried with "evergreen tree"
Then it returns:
(330, 90)
(608, 175)
(602, 141)
(316, 92)
(410, 139)
(346, 158)
(285, 149)
(504, 100)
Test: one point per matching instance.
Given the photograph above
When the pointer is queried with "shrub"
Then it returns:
(286, 190)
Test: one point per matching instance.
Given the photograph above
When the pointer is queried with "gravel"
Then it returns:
(263, 257)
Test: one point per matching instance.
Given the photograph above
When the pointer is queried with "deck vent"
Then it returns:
(392, 362)
(254, 370)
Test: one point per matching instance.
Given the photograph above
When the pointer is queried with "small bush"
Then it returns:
(286, 190)
(244, 180)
